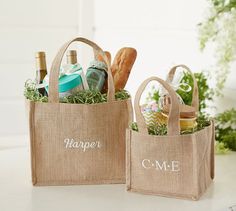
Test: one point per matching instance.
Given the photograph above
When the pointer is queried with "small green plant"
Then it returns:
(226, 128)
(80, 97)
(156, 96)
(31, 93)
(221, 148)
(153, 95)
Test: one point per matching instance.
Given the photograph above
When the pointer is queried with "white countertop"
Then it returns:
(18, 194)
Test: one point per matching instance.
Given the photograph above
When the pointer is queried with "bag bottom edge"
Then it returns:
(68, 183)
(167, 195)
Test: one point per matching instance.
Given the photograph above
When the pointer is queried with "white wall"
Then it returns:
(27, 26)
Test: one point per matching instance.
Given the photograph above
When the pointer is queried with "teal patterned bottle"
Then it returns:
(96, 75)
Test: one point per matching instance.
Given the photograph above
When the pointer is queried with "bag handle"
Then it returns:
(195, 96)
(53, 96)
(173, 126)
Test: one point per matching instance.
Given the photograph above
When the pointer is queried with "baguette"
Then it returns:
(100, 58)
(122, 65)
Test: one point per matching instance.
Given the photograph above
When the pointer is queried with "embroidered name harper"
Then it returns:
(84, 145)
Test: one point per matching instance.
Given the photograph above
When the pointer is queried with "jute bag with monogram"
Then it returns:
(99, 130)
(174, 165)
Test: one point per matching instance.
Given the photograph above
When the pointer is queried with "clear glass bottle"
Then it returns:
(73, 66)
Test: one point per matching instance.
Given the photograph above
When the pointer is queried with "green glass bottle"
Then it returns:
(96, 75)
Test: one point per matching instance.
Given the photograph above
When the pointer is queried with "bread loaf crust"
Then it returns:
(107, 53)
(122, 65)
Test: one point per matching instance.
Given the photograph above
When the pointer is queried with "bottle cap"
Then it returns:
(40, 54)
(98, 65)
(71, 57)
(71, 52)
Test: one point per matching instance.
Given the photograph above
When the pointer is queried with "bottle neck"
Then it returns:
(71, 60)
(71, 57)
(41, 69)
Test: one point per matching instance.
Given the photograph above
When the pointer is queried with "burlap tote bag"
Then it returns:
(180, 166)
(98, 129)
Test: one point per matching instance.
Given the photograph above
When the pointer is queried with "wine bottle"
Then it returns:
(41, 70)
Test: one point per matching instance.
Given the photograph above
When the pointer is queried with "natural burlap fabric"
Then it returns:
(78, 143)
(174, 165)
